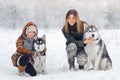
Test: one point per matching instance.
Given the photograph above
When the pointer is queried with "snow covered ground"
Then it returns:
(48, 14)
(57, 67)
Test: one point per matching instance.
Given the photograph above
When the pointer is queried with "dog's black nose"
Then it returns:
(38, 47)
(93, 35)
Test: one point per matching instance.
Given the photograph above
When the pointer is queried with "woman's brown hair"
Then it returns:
(78, 22)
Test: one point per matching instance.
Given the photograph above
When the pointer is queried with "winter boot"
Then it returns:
(80, 67)
(22, 71)
(71, 64)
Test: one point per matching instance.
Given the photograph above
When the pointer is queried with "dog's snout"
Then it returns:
(38, 47)
(93, 35)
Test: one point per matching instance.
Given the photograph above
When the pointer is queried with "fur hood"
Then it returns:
(27, 25)
(21, 39)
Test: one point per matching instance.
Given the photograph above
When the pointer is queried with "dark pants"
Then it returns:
(24, 61)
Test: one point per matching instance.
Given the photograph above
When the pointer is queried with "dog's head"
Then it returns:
(40, 43)
(91, 32)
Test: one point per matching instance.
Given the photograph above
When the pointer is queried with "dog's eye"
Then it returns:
(37, 41)
(89, 31)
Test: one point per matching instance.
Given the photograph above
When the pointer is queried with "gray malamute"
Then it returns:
(97, 53)
(40, 57)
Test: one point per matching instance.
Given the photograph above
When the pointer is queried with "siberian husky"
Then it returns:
(97, 53)
(40, 57)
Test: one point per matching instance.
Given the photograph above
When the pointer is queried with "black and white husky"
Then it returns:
(97, 53)
(40, 57)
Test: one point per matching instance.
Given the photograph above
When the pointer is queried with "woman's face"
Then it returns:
(31, 34)
(71, 19)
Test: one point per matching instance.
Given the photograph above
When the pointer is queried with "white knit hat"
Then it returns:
(31, 28)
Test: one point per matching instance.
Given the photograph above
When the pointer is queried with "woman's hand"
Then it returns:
(88, 40)
(45, 50)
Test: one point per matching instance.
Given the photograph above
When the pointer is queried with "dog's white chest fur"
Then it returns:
(39, 63)
(92, 51)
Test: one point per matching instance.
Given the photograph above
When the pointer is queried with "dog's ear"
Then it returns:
(44, 37)
(36, 37)
(85, 26)
(95, 27)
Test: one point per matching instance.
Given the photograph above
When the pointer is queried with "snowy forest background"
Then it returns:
(51, 13)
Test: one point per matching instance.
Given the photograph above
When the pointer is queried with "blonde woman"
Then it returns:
(73, 31)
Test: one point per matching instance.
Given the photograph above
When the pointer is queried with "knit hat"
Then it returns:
(31, 28)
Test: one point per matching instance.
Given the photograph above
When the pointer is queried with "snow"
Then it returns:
(49, 16)
(56, 61)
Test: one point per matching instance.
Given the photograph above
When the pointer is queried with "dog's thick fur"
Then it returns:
(40, 57)
(96, 50)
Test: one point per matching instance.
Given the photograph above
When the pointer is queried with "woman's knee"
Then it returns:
(71, 46)
(71, 50)
(23, 60)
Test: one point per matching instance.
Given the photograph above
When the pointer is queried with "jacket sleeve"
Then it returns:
(20, 48)
(80, 43)
(68, 37)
